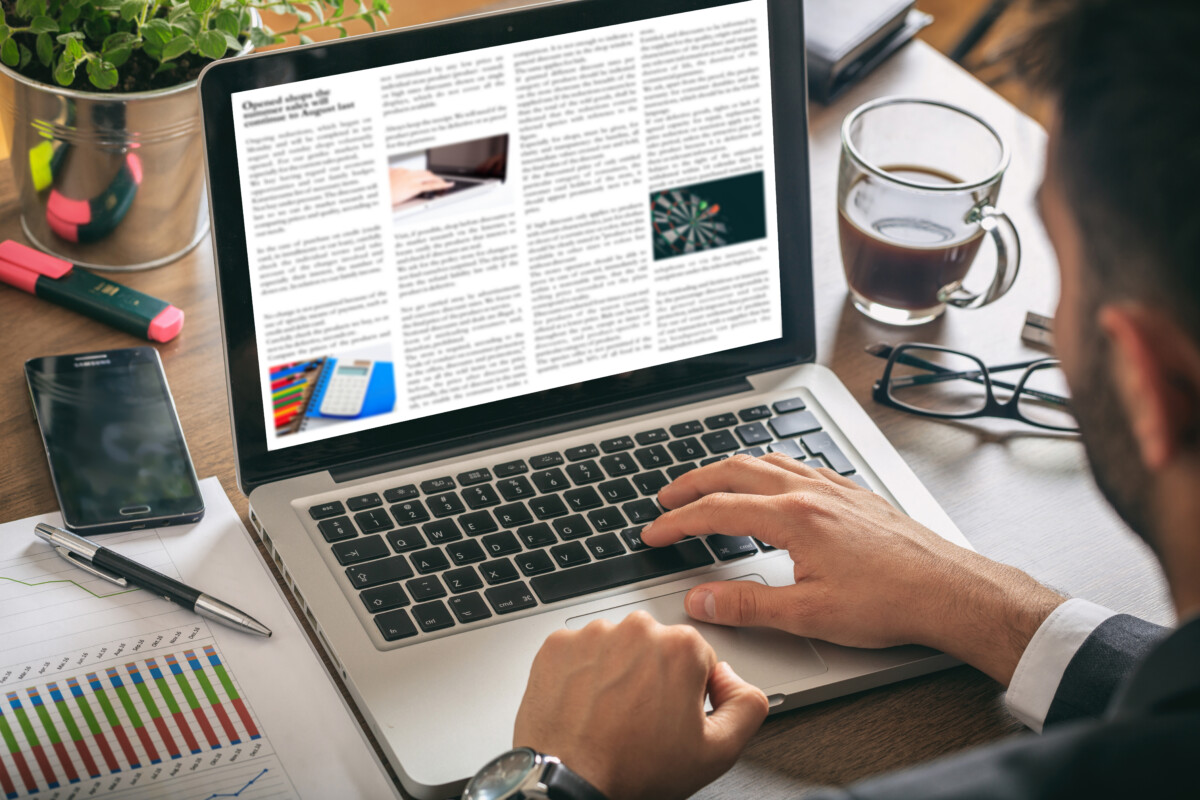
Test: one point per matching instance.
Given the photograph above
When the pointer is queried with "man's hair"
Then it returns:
(1125, 78)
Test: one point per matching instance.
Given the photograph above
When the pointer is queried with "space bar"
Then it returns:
(639, 566)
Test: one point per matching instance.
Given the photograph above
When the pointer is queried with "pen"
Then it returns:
(116, 568)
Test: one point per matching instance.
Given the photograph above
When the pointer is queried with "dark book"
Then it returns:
(846, 39)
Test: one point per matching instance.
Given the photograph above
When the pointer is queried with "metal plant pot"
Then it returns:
(111, 181)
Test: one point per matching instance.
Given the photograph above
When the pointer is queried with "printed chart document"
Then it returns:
(111, 692)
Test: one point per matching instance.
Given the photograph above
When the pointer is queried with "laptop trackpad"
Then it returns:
(762, 656)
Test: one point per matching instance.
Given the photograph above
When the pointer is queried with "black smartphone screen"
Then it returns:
(117, 453)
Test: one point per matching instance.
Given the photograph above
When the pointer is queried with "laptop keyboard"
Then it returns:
(458, 549)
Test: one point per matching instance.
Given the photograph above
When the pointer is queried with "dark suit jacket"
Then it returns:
(1125, 722)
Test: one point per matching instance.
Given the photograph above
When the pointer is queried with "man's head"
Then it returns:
(1121, 201)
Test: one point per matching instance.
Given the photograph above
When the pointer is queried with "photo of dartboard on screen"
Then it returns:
(705, 216)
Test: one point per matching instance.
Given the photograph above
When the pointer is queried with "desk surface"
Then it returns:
(1021, 497)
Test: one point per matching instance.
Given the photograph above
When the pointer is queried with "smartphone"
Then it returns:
(117, 455)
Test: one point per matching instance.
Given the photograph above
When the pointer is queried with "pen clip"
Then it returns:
(91, 568)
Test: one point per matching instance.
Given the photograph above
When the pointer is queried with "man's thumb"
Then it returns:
(738, 710)
(736, 603)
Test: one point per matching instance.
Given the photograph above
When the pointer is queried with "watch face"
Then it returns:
(501, 776)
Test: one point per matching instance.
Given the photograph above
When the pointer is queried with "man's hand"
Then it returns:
(866, 574)
(623, 707)
(408, 183)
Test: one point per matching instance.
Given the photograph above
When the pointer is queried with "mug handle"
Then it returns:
(1008, 260)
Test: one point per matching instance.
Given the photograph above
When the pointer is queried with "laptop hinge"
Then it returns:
(543, 427)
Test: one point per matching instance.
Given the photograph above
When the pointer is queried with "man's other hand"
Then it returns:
(866, 575)
(623, 707)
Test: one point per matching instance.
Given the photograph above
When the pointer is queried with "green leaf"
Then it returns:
(167, 67)
(339, 7)
(318, 10)
(64, 73)
(200, 6)
(9, 53)
(177, 47)
(130, 9)
(5, 32)
(26, 9)
(261, 37)
(43, 25)
(68, 15)
(227, 21)
(302, 15)
(118, 56)
(115, 40)
(26, 56)
(45, 49)
(382, 7)
(305, 39)
(97, 28)
(63, 38)
(189, 26)
(342, 32)
(211, 44)
(75, 49)
(371, 21)
(101, 73)
(232, 42)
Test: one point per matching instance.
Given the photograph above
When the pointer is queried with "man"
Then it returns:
(622, 706)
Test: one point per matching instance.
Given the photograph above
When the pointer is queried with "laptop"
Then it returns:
(470, 168)
(557, 358)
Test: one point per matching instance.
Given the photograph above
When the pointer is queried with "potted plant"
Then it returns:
(99, 101)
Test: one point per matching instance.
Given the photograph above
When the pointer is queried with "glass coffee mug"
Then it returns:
(917, 187)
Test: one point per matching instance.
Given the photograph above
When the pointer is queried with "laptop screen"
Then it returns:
(511, 221)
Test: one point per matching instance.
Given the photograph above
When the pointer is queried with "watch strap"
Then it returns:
(563, 784)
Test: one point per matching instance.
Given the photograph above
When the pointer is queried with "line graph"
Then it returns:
(67, 580)
(238, 793)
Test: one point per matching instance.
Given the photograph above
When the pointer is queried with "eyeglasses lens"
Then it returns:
(938, 382)
(1044, 399)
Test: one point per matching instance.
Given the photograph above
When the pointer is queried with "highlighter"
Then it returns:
(75, 288)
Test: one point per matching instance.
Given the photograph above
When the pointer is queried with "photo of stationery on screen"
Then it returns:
(330, 389)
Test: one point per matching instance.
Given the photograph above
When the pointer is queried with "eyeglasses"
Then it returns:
(937, 382)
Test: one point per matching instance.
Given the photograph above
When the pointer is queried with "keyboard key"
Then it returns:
(794, 424)
(687, 450)
(535, 536)
(507, 599)
(654, 562)
(467, 552)
(373, 573)
(431, 560)
(546, 460)
(395, 625)
(477, 522)
(437, 485)
(752, 434)
(617, 444)
(464, 579)
(585, 472)
(572, 527)
(359, 550)
(642, 511)
(720, 421)
(604, 545)
(570, 554)
(511, 516)
(728, 548)
(401, 493)
(582, 452)
(550, 480)
(653, 457)
(720, 441)
(373, 521)
(648, 483)
(821, 444)
(751, 451)
(441, 531)
(481, 496)
(766, 548)
(633, 538)
(405, 539)
(712, 460)
(617, 491)
(789, 447)
(606, 519)
(432, 616)
(326, 510)
(791, 404)
(535, 563)
(409, 512)
(336, 529)
(474, 476)
(445, 505)
(687, 428)
(515, 488)
(815, 463)
(510, 468)
(583, 498)
(469, 607)
(548, 506)
(501, 544)
(384, 598)
(619, 464)
(679, 469)
(499, 571)
(652, 437)
(751, 414)
(364, 501)
(426, 588)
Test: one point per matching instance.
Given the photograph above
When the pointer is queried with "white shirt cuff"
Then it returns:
(1040, 670)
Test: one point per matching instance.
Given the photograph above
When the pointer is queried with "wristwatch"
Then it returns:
(525, 774)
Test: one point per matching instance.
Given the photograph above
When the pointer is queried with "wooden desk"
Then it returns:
(1021, 497)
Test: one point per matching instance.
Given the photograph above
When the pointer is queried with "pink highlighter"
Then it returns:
(75, 288)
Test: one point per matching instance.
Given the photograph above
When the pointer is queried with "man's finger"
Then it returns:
(738, 711)
(732, 514)
(737, 475)
(739, 603)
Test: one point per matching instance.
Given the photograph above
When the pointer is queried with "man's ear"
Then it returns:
(1156, 368)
